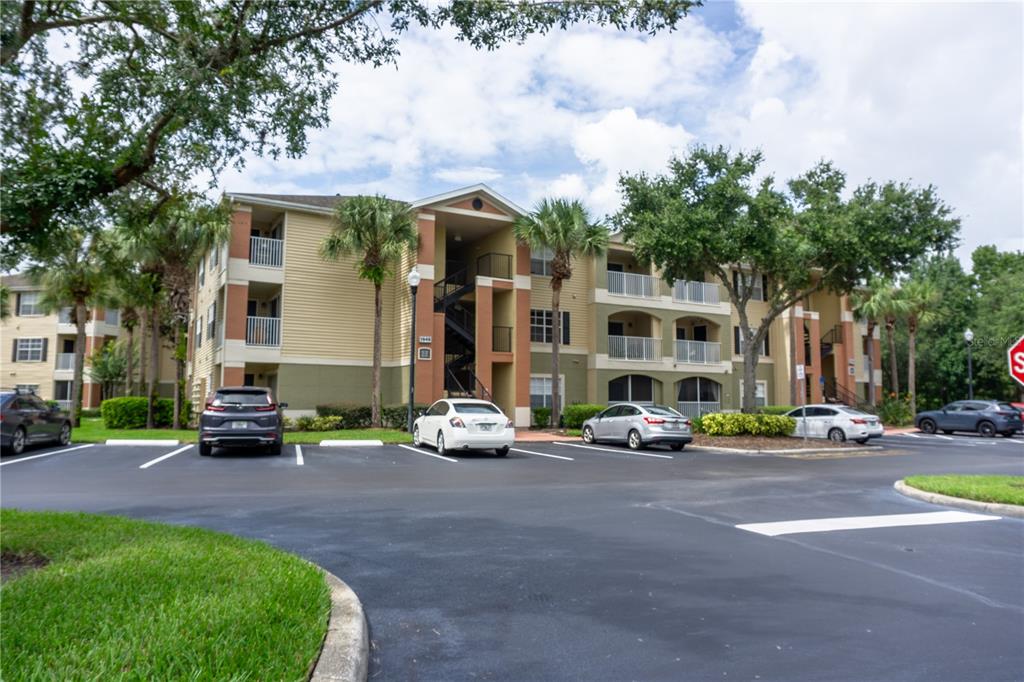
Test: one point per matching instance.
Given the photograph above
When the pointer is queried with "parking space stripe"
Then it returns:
(428, 454)
(46, 454)
(911, 435)
(620, 452)
(543, 454)
(943, 437)
(163, 457)
(298, 455)
(862, 522)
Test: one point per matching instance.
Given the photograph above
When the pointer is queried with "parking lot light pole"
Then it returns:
(969, 337)
(414, 283)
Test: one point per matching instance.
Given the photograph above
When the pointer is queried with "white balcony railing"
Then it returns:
(64, 405)
(632, 284)
(693, 409)
(687, 291)
(698, 352)
(634, 348)
(263, 331)
(266, 252)
(65, 361)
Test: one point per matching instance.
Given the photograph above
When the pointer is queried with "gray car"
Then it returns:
(987, 417)
(638, 426)
(242, 417)
(26, 420)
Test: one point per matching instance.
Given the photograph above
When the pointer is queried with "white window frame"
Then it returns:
(27, 388)
(27, 353)
(202, 271)
(546, 395)
(760, 392)
(211, 320)
(199, 333)
(25, 305)
(543, 257)
(547, 326)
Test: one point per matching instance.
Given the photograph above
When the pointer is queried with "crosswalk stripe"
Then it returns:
(861, 522)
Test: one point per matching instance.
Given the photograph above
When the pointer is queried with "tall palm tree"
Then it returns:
(920, 297)
(565, 228)
(891, 309)
(376, 231)
(74, 272)
(868, 305)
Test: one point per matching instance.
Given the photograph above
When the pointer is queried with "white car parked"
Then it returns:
(838, 423)
(464, 424)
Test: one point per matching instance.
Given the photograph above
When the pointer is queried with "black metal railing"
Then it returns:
(497, 265)
(501, 339)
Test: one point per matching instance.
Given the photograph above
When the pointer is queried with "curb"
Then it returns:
(141, 441)
(787, 451)
(345, 654)
(946, 500)
(348, 443)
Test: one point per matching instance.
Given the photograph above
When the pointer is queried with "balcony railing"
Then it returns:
(632, 284)
(698, 352)
(65, 361)
(266, 252)
(64, 405)
(263, 331)
(498, 265)
(686, 291)
(694, 409)
(634, 348)
(501, 339)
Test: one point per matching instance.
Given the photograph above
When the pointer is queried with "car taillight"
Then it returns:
(457, 423)
(687, 422)
(266, 408)
(215, 408)
(1008, 414)
(859, 421)
(509, 424)
(654, 420)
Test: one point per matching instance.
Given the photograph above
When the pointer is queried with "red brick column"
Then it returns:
(241, 226)
(236, 300)
(484, 336)
(233, 376)
(428, 372)
(815, 329)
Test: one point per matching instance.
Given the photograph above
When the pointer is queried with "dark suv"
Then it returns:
(987, 417)
(241, 416)
(26, 420)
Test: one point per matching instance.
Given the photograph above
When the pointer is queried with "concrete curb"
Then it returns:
(345, 654)
(141, 441)
(947, 501)
(787, 451)
(349, 443)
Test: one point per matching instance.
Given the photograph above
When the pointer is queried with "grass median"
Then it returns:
(998, 489)
(113, 598)
(93, 431)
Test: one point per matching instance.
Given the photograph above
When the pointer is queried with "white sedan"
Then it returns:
(838, 423)
(464, 424)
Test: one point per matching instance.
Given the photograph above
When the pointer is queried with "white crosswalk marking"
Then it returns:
(861, 522)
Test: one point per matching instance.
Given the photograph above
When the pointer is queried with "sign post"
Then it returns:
(801, 376)
(1015, 355)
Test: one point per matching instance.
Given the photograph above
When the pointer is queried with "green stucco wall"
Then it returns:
(304, 387)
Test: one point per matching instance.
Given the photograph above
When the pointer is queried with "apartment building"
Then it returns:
(268, 311)
(41, 346)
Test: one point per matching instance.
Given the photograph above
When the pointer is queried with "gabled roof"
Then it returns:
(506, 204)
(19, 281)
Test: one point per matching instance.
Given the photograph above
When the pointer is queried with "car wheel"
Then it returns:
(677, 446)
(65, 434)
(275, 449)
(416, 436)
(501, 452)
(837, 436)
(987, 429)
(861, 441)
(947, 431)
(634, 440)
(927, 425)
(440, 444)
(18, 441)
(588, 434)
(205, 449)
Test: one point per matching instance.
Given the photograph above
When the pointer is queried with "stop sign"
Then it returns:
(1016, 355)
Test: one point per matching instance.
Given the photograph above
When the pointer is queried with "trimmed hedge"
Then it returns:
(352, 416)
(747, 424)
(573, 416)
(542, 417)
(130, 412)
(776, 409)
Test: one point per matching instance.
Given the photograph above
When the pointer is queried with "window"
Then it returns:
(214, 257)
(540, 391)
(28, 303)
(211, 320)
(540, 261)
(202, 272)
(743, 281)
(438, 409)
(28, 388)
(62, 390)
(112, 316)
(199, 332)
(29, 350)
(737, 341)
(541, 323)
(760, 393)
(632, 388)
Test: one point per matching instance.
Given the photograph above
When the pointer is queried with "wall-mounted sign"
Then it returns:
(800, 372)
(426, 339)
(424, 354)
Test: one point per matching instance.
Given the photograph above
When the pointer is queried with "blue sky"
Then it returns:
(929, 92)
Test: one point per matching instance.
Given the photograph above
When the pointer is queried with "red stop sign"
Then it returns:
(1016, 356)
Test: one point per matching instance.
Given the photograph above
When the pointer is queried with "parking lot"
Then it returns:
(565, 561)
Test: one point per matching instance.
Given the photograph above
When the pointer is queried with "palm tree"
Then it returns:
(74, 272)
(128, 293)
(891, 309)
(377, 231)
(565, 228)
(920, 296)
(868, 305)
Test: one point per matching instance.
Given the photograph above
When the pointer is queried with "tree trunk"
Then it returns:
(143, 353)
(793, 383)
(911, 361)
(129, 362)
(871, 363)
(77, 385)
(750, 358)
(179, 377)
(894, 371)
(556, 343)
(375, 389)
(154, 367)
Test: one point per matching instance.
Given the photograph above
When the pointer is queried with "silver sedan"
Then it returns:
(639, 426)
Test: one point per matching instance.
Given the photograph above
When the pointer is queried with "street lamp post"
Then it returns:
(414, 282)
(969, 337)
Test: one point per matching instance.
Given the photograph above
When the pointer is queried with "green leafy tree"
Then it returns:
(999, 318)
(869, 306)
(172, 88)
(708, 214)
(5, 300)
(566, 229)
(920, 298)
(376, 232)
(108, 366)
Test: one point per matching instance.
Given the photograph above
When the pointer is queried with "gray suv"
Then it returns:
(639, 426)
(26, 420)
(987, 417)
(241, 416)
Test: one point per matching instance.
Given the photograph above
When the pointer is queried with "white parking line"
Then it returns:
(860, 522)
(46, 454)
(621, 452)
(428, 454)
(542, 454)
(298, 455)
(912, 435)
(943, 437)
(163, 457)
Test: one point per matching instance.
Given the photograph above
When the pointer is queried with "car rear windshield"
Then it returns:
(661, 409)
(242, 398)
(1007, 407)
(850, 410)
(476, 408)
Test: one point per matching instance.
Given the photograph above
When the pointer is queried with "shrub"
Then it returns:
(776, 409)
(697, 424)
(895, 410)
(288, 423)
(352, 416)
(92, 413)
(130, 412)
(739, 424)
(304, 423)
(541, 417)
(397, 416)
(573, 416)
(331, 423)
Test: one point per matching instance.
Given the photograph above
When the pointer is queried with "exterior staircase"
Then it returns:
(460, 379)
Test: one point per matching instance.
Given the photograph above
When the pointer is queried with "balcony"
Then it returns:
(263, 331)
(642, 348)
(266, 252)
(65, 362)
(112, 317)
(64, 405)
(686, 291)
(632, 284)
(698, 352)
(694, 409)
(497, 265)
(501, 339)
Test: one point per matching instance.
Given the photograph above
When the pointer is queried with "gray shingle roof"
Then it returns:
(18, 280)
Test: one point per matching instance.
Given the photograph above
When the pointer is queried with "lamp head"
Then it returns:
(414, 278)
(968, 336)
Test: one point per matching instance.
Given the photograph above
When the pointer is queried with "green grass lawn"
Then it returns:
(125, 599)
(92, 431)
(1000, 489)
